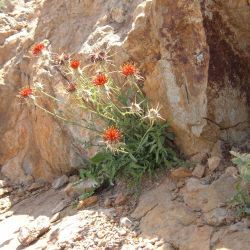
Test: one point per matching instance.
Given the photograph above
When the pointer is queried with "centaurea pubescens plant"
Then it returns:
(133, 138)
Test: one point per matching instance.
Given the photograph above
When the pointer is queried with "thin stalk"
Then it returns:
(65, 120)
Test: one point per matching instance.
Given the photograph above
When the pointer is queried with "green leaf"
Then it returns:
(99, 157)
(170, 136)
(86, 195)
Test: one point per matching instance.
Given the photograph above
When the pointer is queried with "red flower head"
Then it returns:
(112, 135)
(129, 69)
(71, 87)
(26, 92)
(74, 64)
(100, 79)
(37, 49)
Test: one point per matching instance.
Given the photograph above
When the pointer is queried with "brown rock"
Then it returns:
(208, 197)
(60, 182)
(170, 220)
(233, 240)
(120, 199)
(180, 173)
(216, 217)
(35, 186)
(60, 206)
(87, 202)
(107, 203)
(199, 171)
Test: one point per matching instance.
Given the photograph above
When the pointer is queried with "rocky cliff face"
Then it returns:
(194, 56)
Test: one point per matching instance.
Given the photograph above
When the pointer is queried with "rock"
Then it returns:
(20, 193)
(126, 222)
(73, 178)
(208, 197)
(232, 171)
(180, 173)
(107, 202)
(61, 205)
(59, 182)
(4, 191)
(75, 190)
(118, 15)
(121, 231)
(55, 217)
(31, 232)
(3, 184)
(27, 180)
(176, 220)
(6, 215)
(100, 234)
(166, 246)
(120, 199)
(199, 158)
(216, 217)
(199, 171)
(232, 240)
(217, 149)
(109, 212)
(35, 186)
(87, 202)
(213, 163)
(5, 204)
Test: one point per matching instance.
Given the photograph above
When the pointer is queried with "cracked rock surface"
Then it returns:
(194, 56)
(183, 214)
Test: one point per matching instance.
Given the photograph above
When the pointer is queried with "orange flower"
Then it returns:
(100, 79)
(26, 92)
(129, 69)
(74, 64)
(37, 49)
(71, 87)
(112, 135)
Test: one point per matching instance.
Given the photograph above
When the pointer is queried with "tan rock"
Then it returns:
(35, 186)
(233, 171)
(217, 149)
(28, 234)
(216, 217)
(181, 172)
(60, 182)
(233, 240)
(170, 220)
(208, 197)
(55, 217)
(60, 206)
(213, 163)
(87, 202)
(199, 171)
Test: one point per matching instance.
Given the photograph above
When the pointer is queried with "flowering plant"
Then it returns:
(132, 137)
